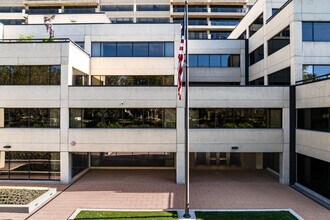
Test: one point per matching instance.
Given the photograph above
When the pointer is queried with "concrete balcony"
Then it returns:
(61, 2)
(122, 97)
(207, 2)
(71, 18)
(122, 140)
(247, 140)
(30, 139)
(30, 96)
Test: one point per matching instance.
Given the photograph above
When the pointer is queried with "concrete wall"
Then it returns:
(313, 95)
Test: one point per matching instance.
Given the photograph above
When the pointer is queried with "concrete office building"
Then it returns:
(104, 95)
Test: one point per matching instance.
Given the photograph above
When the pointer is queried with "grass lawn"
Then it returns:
(127, 215)
(275, 215)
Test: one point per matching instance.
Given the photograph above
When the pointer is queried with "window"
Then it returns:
(81, 44)
(315, 72)
(257, 55)
(123, 118)
(235, 118)
(132, 159)
(116, 7)
(214, 60)
(43, 10)
(79, 162)
(226, 8)
(220, 34)
(281, 77)
(256, 25)
(243, 36)
(152, 20)
(31, 117)
(224, 22)
(11, 9)
(196, 21)
(133, 80)
(31, 166)
(314, 174)
(132, 49)
(258, 82)
(279, 41)
(152, 7)
(121, 20)
(316, 31)
(30, 75)
(316, 119)
(79, 10)
(12, 21)
(275, 10)
(79, 78)
(197, 8)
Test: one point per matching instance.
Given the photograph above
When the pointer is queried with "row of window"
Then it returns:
(132, 49)
(132, 80)
(214, 8)
(214, 21)
(281, 77)
(236, 118)
(256, 25)
(56, 10)
(30, 117)
(30, 75)
(12, 21)
(123, 118)
(142, 118)
(317, 119)
(11, 9)
(132, 159)
(214, 60)
(316, 31)
(31, 166)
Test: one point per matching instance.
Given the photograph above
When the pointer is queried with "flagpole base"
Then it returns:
(187, 215)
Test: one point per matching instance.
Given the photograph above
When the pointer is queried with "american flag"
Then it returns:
(181, 64)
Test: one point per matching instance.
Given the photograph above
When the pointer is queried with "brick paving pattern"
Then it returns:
(148, 189)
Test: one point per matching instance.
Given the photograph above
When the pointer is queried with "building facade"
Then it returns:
(103, 94)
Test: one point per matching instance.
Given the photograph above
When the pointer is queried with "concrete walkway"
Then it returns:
(156, 189)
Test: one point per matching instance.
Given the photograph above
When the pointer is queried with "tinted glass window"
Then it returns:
(193, 60)
(256, 25)
(279, 41)
(257, 55)
(109, 49)
(307, 31)
(281, 77)
(169, 49)
(203, 60)
(314, 119)
(321, 31)
(215, 60)
(140, 49)
(156, 49)
(124, 49)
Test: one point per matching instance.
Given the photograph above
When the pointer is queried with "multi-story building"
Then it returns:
(211, 19)
(104, 95)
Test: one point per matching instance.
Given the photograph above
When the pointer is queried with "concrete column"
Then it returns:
(65, 167)
(285, 165)
(259, 161)
(180, 147)
(2, 159)
(285, 155)
(180, 164)
(88, 44)
(2, 117)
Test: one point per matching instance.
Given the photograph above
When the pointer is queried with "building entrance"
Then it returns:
(132, 159)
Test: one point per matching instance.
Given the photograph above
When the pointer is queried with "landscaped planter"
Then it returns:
(24, 199)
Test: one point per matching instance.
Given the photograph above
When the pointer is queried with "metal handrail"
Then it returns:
(314, 79)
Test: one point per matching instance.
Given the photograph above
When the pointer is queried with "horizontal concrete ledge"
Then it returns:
(181, 211)
(32, 205)
(312, 195)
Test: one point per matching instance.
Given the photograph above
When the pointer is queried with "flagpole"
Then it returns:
(186, 213)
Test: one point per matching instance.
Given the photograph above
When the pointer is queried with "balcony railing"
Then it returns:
(313, 79)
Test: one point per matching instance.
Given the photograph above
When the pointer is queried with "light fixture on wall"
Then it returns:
(7, 146)
(73, 143)
(234, 147)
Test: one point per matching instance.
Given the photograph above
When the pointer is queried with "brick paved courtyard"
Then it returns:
(147, 189)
